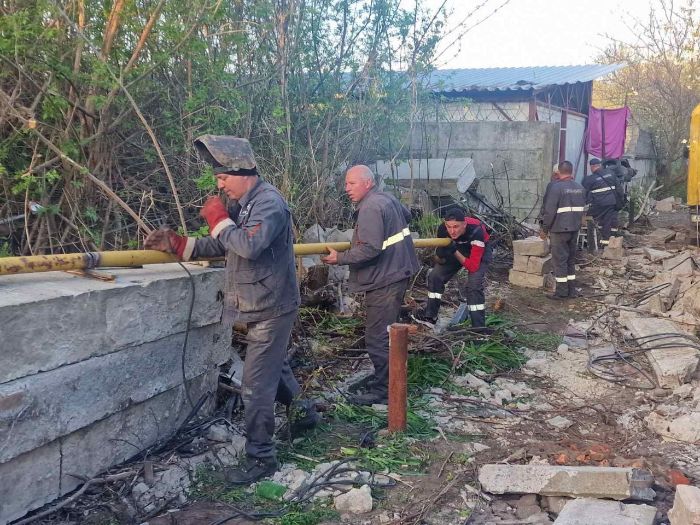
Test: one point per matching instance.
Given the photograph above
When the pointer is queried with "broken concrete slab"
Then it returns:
(526, 280)
(672, 366)
(613, 253)
(662, 235)
(684, 428)
(559, 422)
(681, 264)
(520, 262)
(37, 409)
(588, 511)
(665, 205)
(549, 480)
(83, 318)
(656, 255)
(686, 506)
(531, 246)
(355, 501)
(539, 265)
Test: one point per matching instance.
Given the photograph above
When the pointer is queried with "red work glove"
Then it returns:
(166, 240)
(216, 216)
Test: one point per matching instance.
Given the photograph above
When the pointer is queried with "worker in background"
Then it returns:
(382, 259)
(261, 291)
(601, 188)
(469, 249)
(564, 203)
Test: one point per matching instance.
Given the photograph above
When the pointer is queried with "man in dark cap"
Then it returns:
(602, 193)
(255, 235)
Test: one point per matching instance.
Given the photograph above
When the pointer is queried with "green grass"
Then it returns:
(491, 356)
(426, 226)
(325, 322)
(425, 372)
(313, 515)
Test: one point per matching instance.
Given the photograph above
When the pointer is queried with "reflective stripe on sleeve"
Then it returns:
(478, 243)
(601, 190)
(569, 209)
(396, 238)
(562, 279)
(434, 295)
(571, 277)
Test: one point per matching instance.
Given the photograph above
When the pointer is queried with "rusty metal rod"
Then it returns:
(129, 258)
(398, 376)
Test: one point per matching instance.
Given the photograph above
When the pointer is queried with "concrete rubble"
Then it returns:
(686, 506)
(532, 264)
(355, 501)
(548, 480)
(587, 511)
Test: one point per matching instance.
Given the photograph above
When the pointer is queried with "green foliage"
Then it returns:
(309, 516)
(427, 225)
(491, 356)
(270, 490)
(5, 249)
(206, 181)
(425, 372)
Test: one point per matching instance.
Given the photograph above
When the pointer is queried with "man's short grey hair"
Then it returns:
(363, 171)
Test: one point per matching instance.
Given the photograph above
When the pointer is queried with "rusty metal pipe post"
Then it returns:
(398, 375)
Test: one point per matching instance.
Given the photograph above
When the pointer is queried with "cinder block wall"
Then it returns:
(528, 150)
(90, 372)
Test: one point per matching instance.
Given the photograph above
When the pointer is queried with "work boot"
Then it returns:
(251, 470)
(422, 315)
(378, 395)
(366, 383)
(303, 418)
(572, 289)
(560, 292)
(478, 318)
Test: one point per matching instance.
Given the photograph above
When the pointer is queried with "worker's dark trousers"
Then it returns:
(563, 257)
(383, 306)
(267, 378)
(476, 299)
(606, 219)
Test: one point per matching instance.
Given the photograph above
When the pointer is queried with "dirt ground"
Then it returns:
(604, 420)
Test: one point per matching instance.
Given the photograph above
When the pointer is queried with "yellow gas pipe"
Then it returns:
(125, 259)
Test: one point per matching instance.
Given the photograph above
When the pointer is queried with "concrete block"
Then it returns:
(665, 205)
(615, 242)
(38, 409)
(686, 506)
(119, 437)
(585, 482)
(29, 481)
(601, 512)
(531, 246)
(681, 264)
(685, 428)
(526, 280)
(74, 318)
(539, 265)
(662, 235)
(520, 263)
(656, 255)
(613, 254)
(672, 366)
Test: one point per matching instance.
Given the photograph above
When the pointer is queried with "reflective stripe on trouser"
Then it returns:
(396, 238)
(563, 257)
(266, 378)
(383, 306)
(442, 273)
(567, 209)
(605, 218)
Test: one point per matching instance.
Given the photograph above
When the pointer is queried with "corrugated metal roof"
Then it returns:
(515, 78)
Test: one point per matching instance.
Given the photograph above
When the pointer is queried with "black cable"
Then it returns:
(187, 336)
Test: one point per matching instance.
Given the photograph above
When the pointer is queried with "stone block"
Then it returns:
(554, 504)
(685, 428)
(672, 366)
(526, 280)
(681, 264)
(615, 242)
(686, 506)
(581, 482)
(665, 205)
(520, 263)
(81, 318)
(38, 409)
(601, 512)
(531, 246)
(539, 265)
(662, 235)
(613, 254)
(117, 438)
(656, 255)
(29, 481)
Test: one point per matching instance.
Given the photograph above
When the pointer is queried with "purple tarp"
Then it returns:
(615, 131)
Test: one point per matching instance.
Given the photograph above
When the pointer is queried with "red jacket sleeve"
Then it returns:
(478, 246)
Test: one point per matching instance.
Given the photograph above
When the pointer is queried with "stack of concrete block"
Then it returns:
(532, 264)
(90, 372)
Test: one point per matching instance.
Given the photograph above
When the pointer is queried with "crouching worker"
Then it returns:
(469, 249)
(255, 235)
(563, 207)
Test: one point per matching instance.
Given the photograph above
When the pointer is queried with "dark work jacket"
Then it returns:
(563, 207)
(473, 244)
(601, 187)
(261, 280)
(381, 252)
